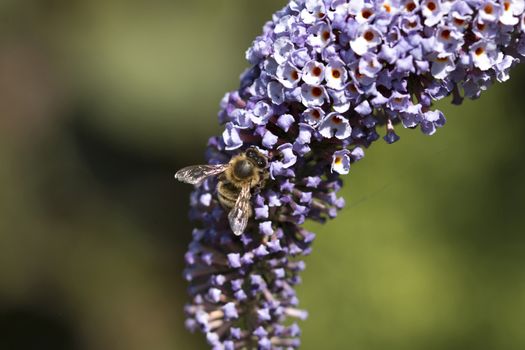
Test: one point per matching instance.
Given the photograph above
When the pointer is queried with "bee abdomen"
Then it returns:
(227, 194)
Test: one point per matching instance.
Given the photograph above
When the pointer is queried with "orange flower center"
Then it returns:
(369, 36)
(316, 71)
(336, 73)
(479, 51)
(317, 92)
(336, 120)
(459, 21)
(366, 14)
(445, 34)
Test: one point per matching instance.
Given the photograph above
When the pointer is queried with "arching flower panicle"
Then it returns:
(327, 79)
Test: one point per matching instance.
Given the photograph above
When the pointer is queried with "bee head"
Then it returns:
(256, 157)
(243, 169)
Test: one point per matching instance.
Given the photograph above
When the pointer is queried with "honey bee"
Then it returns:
(237, 178)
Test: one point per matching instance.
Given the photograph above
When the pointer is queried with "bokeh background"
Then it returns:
(102, 100)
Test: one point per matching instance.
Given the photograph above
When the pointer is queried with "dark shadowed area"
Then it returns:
(102, 101)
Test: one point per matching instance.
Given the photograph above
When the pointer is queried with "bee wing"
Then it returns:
(196, 174)
(241, 212)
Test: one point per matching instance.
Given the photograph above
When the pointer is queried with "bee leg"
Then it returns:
(262, 183)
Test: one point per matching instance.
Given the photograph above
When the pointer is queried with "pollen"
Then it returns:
(506, 5)
(316, 71)
(479, 51)
(387, 8)
(338, 160)
(488, 9)
(336, 73)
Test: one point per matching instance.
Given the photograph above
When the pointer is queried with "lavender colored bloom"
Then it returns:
(289, 158)
(489, 11)
(282, 49)
(231, 137)
(285, 121)
(313, 116)
(320, 35)
(313, 95)
(276, 92)
(230, 311)
(510, 11)
(269, 139)
(328, 78)
(484, 54)
(336, 75)
(262, 212)
(369, 65)
(341, 162)
(369, 37)
(288, 75)
(313, 73)
(442, 66)
(265, 228)
(432, 11)
(335, 125)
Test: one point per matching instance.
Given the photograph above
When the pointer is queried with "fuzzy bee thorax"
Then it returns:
(242, 170)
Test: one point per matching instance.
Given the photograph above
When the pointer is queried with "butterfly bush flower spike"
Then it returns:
(327, 79)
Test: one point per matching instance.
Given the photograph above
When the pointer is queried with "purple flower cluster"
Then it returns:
(325, 75)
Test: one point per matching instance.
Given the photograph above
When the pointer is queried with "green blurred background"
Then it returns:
(101, 101)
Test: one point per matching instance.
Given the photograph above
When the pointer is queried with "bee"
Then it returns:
(237, 178)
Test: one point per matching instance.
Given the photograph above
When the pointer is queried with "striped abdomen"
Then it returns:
(228, 194)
